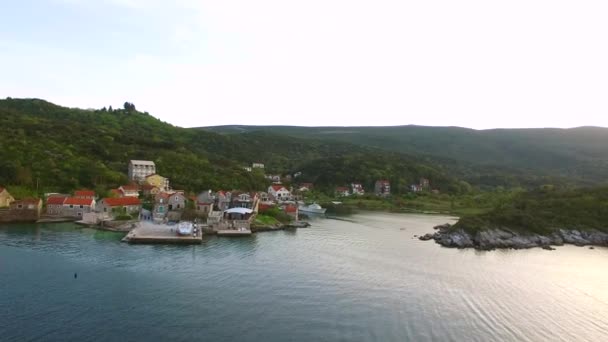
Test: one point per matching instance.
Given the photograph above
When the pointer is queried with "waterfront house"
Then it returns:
(222, 200)
(139, 169)
(54, 205)
(357, 189)
(27, 209)
(77, 207)
(279, 192)
(342, 191)
(243, 200)
(84, 194)
(5, 198)
(204, 202)
(382, 188)
(129, 190)
(158, 181)
(175, 201)
(130, 205)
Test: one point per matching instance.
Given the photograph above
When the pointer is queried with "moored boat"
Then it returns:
(312, 208)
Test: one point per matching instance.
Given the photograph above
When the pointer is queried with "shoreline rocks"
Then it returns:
(502, 238)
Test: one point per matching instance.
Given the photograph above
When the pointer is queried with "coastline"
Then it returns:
(503, 238)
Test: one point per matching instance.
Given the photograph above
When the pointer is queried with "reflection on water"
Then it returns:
(366, 279)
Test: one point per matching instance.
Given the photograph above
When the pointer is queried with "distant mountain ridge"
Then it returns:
(579, 154)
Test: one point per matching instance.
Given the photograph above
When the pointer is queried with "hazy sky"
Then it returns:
(480, 64)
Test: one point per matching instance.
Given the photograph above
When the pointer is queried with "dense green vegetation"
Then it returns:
(46, 147)
(544, 210)
(487, 158)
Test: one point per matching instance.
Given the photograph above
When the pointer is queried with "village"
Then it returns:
(151, 211)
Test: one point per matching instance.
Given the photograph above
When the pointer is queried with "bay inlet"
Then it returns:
(363, 279)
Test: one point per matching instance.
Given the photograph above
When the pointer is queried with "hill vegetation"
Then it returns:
(543, 211)
(53, 148)
(486, 158)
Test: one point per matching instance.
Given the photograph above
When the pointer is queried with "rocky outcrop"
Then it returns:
(494, 238)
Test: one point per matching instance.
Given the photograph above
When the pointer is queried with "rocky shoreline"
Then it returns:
(503, 238)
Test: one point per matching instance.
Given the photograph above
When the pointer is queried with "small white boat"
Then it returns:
(312, 208)
(185, 228)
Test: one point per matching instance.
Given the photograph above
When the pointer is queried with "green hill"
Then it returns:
(507, 157)
(55, 148)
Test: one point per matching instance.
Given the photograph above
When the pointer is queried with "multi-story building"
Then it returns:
(139, 169)
(383, 188)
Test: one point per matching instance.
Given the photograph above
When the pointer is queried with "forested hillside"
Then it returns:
(508, 157)
(54, 148)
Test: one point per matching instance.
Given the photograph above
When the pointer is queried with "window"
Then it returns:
(19, 206)
(79, 214)
(71, 206)
(81, 206)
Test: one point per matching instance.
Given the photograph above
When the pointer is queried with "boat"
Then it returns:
(312, 209)
(185, 228)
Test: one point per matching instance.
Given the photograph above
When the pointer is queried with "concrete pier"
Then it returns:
(150, 233)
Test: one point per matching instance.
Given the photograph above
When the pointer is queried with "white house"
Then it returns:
(357, 189)
(257, 165)
(279, 192)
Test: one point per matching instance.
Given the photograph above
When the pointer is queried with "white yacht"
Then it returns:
(312, 208)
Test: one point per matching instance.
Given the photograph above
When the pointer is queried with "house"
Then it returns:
(54, 205)
(222, 200)
(416, 188)
(425, 183)
(297, 174)
(342, 191)
(243, 200)
(357, 189)
(204, 202)
(257, 165)
(279, 192)
(5, 198)
(116, 193)
(305, 187)
(158, 181)
(175, 201)
(130, 205)
(129, 190)
(77, 207)
(264, 196)
(247, 168)
(382, 188)
(150, 190)
(84, 194)
(28, 209)
(139, 169)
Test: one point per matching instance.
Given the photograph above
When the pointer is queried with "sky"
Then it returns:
(471, 63)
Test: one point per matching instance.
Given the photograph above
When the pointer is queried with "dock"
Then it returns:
(150, 233)
(234, 232)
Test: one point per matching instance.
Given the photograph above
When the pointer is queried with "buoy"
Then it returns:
(75, 275)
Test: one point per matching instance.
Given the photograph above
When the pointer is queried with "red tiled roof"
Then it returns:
(84, 193)
(147, 187)
(78, 201)
(55, 200)
(130, 187)
(383, 181)
(342, 188)
(278, 187)
(115, 202)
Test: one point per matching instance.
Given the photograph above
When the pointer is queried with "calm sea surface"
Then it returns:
(366, 279)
